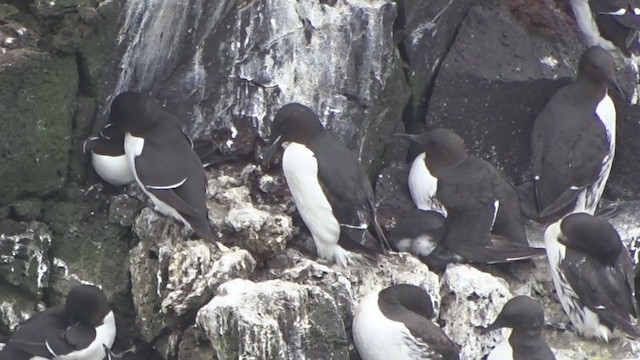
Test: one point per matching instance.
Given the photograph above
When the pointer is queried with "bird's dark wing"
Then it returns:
(508, 221)
(31, 336)
(468, 196)
(431, 337)
(172, 172)
(349, 192)
(74, 338)
(604, 290)
(567, 155)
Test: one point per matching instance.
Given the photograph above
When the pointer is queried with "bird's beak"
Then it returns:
(268, 154)
(614, 85)
(410, 137)
(495, 326)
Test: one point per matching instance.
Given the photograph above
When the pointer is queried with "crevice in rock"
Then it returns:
(85, 86)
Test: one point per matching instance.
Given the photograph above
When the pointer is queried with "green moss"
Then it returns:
(37, 102)
(86, 247)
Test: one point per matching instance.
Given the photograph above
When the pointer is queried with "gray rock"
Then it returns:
(24, 259)
(471, 299)
(15, 308)
(495, 79)
(122, 209)
(273, 320)
(171, 276)
(197, 269)
(241, 77)
(195, 345)
(261, 229)
(393, 199)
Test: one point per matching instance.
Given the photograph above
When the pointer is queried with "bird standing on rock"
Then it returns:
(593, 276)
(483, 221)
(394, 323)
(162, 159)
(574, 140)
(526, 317)
(328, 184)
(83, 328)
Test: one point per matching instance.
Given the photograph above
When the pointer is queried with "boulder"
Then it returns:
(273, 320)
(495, 79)
(231, 67)
(471, 300)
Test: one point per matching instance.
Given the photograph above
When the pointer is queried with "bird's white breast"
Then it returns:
(300, 168)
(583, 319)
(105, 334)
(378, 338)
(113, 169)
(423, 186)
(588, 200)
(133, 147)
(502, 351)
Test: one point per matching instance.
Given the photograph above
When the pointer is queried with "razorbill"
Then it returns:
(484, 223)
(593, 276)
(574, 139)
(83, 328)
(609, 23)
(328, 184)
(422, 185)
(526, 317)
(394, 323)
(107, 155)
(162, 160)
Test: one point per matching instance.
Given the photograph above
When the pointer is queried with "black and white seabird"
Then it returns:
(484, 223)
(162, 160)
(609, 23)
(574, 140)
(328, 184)
(394, 323)
(593, 276)
(82, 328)
(526, 317)
(422, 185)
(107, 155)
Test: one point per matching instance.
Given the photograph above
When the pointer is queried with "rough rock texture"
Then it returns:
(471, 299)
(493, 82)
(273, 320)
(24, 261)
(172, 276)
(273, 57)
(35, 122)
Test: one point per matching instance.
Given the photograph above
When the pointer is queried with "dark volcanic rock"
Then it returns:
(429, 28)
(495, 80)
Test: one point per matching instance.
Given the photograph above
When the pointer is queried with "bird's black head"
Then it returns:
(411, 297)
(519, 313)
(598, 66)
(293, 123)
(133, 112)
(592, 235)
(443, 148)
(86, 305)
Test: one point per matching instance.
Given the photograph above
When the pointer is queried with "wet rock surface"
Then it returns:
(369, 69)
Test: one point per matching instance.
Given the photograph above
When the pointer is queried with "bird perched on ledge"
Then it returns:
(328, 184)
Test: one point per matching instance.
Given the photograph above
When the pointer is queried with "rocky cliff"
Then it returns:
(368, 68)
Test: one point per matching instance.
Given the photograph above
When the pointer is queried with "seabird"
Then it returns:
(573, 140)
(162, 160)
(526, 317)
(82, 328)
(328, 184)
(593, 276)
(484, 223)
(394, 323)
